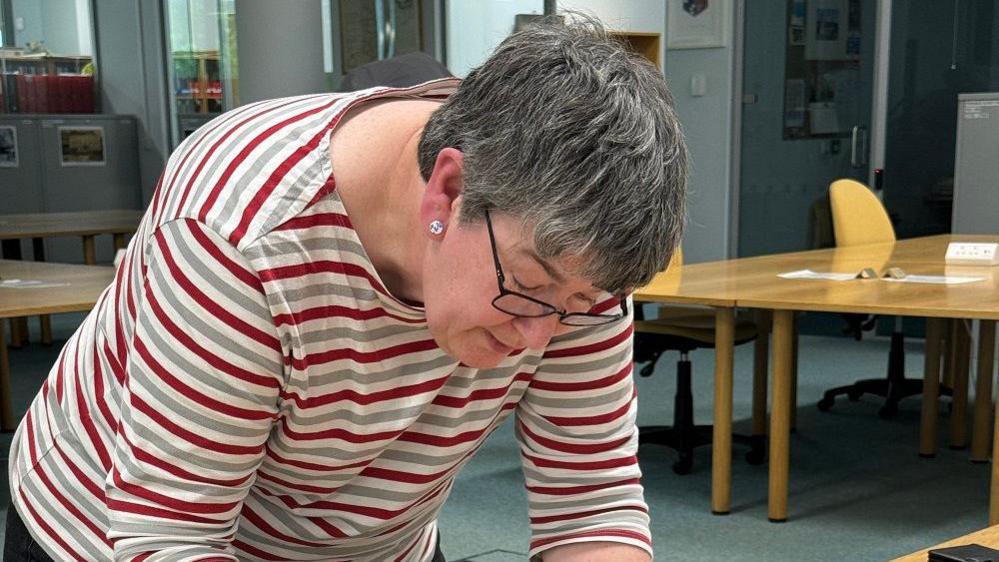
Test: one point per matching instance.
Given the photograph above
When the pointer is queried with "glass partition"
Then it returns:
(203, 69)
(939, 50)
(46, 57)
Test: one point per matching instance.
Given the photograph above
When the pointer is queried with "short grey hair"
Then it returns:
(567, 130)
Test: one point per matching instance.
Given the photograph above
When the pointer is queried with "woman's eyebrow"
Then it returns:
(549, 268)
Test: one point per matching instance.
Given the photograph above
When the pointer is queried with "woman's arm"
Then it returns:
(579, 445)
(205, 368)
(596, 552)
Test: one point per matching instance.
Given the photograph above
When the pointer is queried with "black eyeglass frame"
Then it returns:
(564, 317)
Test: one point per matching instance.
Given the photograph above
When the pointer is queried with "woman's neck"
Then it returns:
(378, 179)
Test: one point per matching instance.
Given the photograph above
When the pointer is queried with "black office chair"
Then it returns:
(684, 330)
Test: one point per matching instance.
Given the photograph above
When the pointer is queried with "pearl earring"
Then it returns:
(436, 227)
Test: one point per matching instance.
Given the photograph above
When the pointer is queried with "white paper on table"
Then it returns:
(936, 279)
(29, 284)
(809, 274)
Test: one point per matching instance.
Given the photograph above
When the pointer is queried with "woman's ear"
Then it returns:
(443, 191)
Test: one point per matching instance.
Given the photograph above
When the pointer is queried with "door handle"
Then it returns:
(858, 147)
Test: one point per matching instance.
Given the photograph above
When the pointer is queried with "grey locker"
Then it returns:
(20, 182)
(976, 165)
(48, 180)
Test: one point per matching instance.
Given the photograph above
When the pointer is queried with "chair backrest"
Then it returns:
(858, 215)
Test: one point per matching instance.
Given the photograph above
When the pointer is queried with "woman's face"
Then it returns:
(460, 283)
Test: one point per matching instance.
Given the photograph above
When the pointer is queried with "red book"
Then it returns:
(41, 94)
(86, 91)
(64, 102)
(25, 92)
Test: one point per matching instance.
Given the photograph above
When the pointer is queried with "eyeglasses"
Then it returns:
(523, 306)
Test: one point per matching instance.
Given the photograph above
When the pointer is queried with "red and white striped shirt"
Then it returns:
(247, 388)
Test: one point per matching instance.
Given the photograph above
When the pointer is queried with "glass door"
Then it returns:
(202, 51)
(808, 74)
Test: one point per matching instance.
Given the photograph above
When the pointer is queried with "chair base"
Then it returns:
(685, 441)
(892, 391)
(894, 387)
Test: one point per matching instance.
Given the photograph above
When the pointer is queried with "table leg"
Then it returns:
(721, 447)
(44, 322)
(794, 375)
(761, 351)
(6, 409)
(949, 351)
(931, 388)
(983, 391)
(994, 484)
(780, 414)
(89, 251)
(959, 411)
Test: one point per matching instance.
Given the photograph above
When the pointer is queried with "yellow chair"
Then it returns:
(859, 218)
(858, 215)
(685, 329)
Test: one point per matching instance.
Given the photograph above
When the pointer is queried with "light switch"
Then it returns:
(18, 24)
(698, 84)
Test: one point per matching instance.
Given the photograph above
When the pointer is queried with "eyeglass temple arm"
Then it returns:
(492, 243)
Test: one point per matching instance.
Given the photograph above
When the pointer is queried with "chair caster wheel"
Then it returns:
(825, 404)
(684, 464)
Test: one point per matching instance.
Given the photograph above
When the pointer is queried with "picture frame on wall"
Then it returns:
(8, 146)
(696, 24)
(82, 146)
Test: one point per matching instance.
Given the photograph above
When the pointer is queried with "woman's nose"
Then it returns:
(537, 332)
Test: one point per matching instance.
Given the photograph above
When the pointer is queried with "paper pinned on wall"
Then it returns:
(8, 147)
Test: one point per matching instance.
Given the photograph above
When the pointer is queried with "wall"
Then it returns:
(59, 25)
(707, 122)
(64, 25)
(131, 58)
(30, 12)
(280, 49)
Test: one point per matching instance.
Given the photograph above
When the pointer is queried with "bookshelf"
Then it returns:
(197, 82)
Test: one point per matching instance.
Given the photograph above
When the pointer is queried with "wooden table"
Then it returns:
(753, 283)
(86, 224)
(986, 537)
(85, 285)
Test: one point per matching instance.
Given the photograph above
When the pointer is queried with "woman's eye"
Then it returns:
(523, 286)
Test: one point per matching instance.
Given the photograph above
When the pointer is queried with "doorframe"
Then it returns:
(879, 91)
(735, 159)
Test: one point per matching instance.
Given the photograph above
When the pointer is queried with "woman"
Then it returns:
(334, 299)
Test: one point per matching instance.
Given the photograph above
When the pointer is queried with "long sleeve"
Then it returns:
(205, 371)
(578, 440)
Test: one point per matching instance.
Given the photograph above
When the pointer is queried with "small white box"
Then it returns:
(972, 253)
